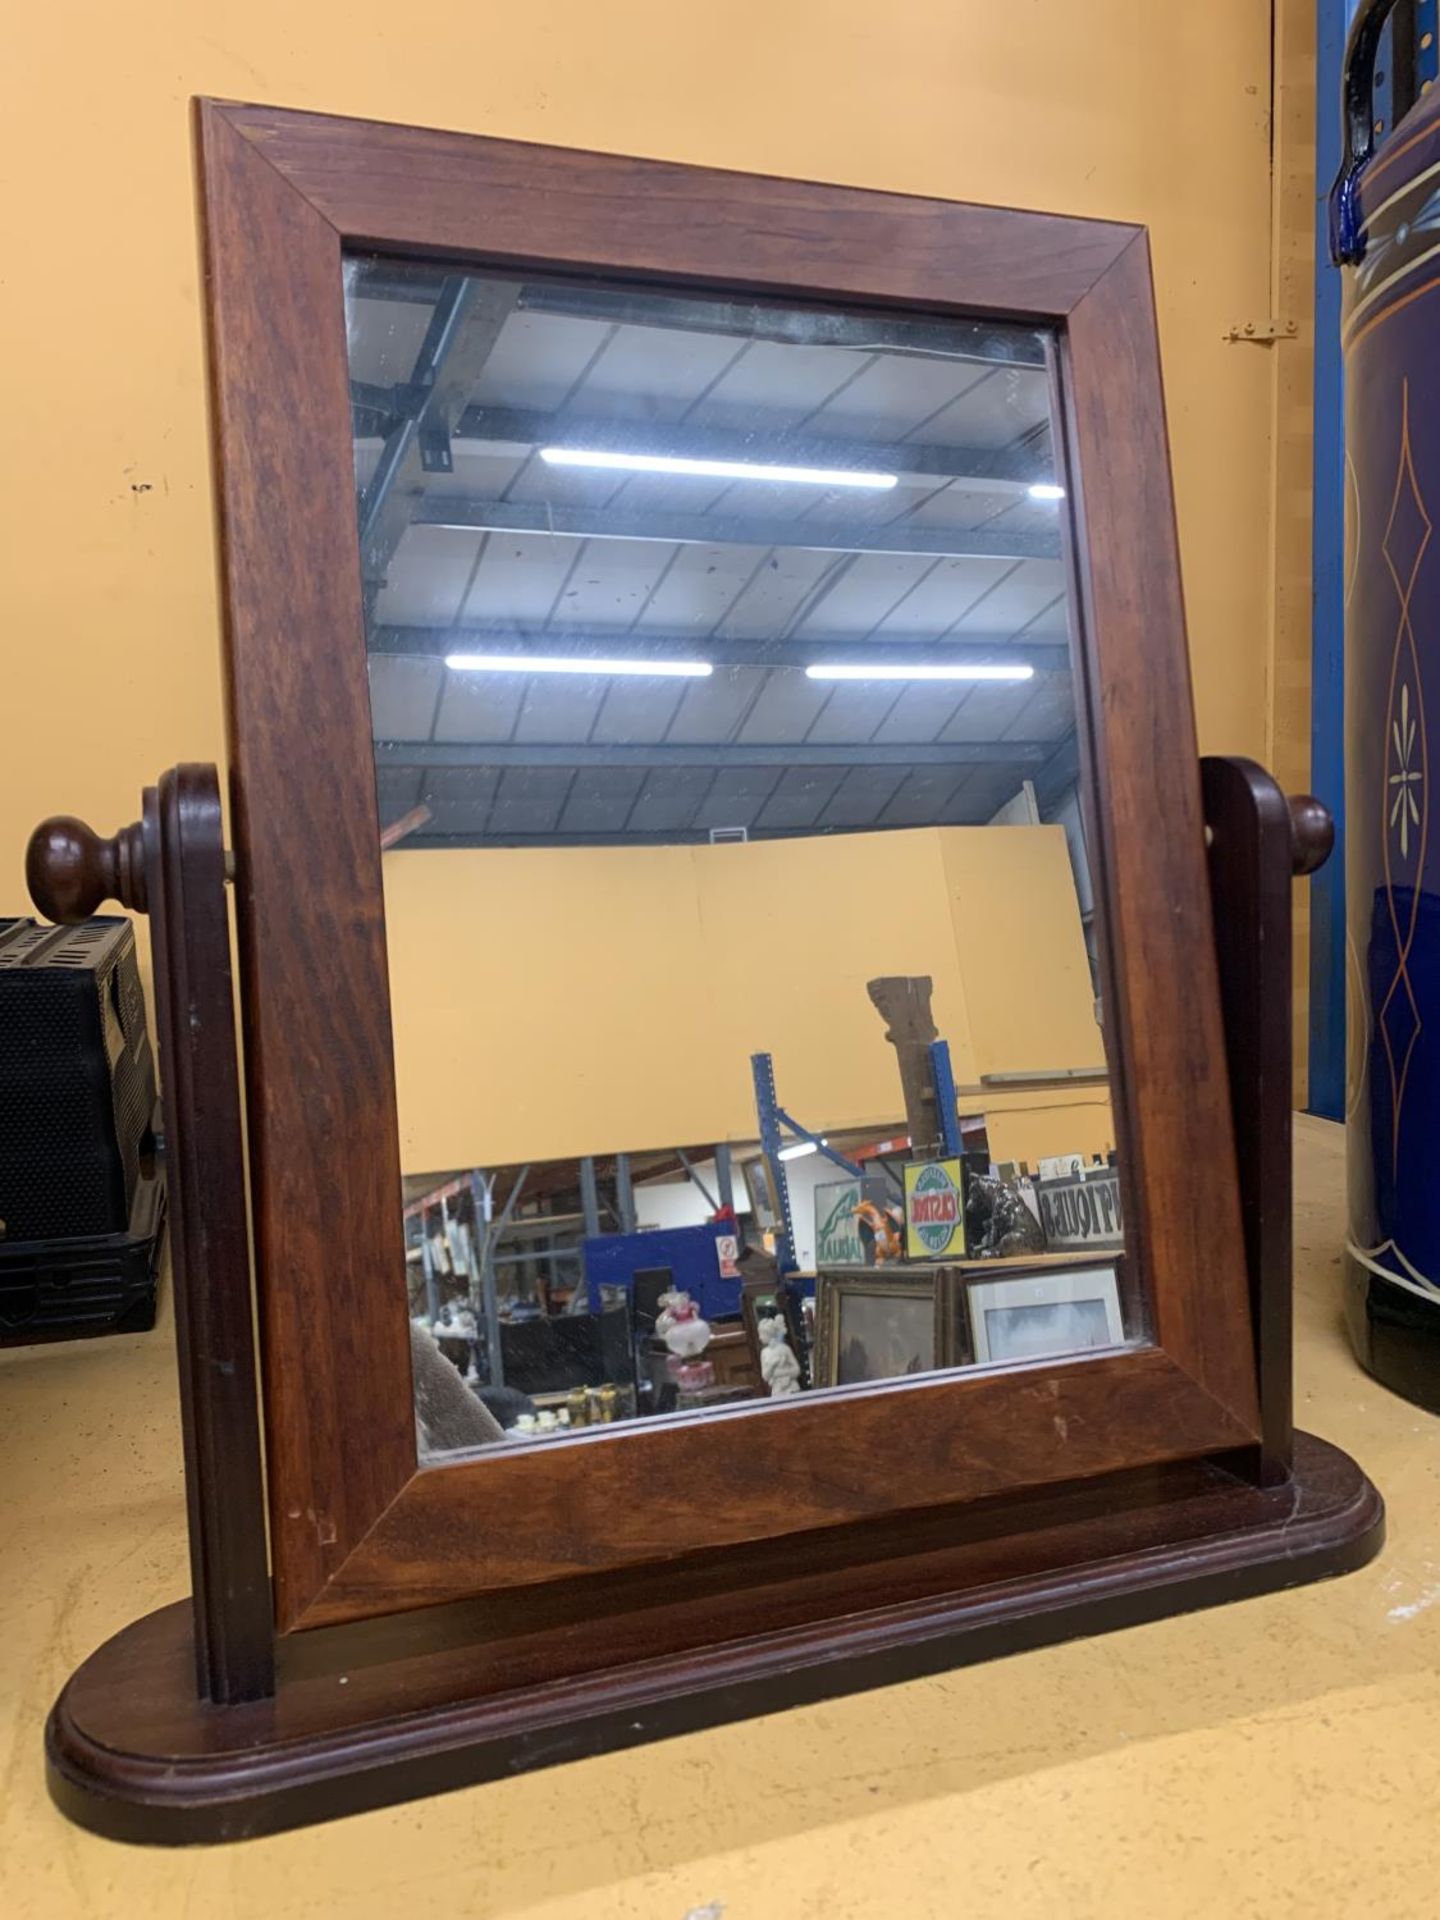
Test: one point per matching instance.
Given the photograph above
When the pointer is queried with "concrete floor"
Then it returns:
(1275, 1758)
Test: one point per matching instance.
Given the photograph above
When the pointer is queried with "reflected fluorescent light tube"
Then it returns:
(715, 469)
(1046, 490)
(575, 663)
(800, 1149)
(888, 670)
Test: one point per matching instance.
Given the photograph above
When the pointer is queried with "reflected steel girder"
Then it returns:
(463, 329)
(435, 643)
(963, 753)
(1060, 772)
(465, 514)
(1001, 470)
(948, 337)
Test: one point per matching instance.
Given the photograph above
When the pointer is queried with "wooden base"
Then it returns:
(392, 1710)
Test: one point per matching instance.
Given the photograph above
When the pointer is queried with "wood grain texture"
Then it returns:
(1178, 1158)
(1252, 858)
(511, 202)
(171, 865)
(324, 1143)
(71, 871)
(131, 1755)
(518, 1516)
(184, 844)
(354, 1527)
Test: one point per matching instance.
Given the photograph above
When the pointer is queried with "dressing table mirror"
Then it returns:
(760, 1126)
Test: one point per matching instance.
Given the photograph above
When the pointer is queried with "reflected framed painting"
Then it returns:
(875, 1326)
(1044, 1315)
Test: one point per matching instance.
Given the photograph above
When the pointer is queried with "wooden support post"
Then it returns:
(172, 865)
(1258, 841)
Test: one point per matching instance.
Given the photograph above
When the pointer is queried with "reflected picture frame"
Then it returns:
(1046, 1314)
(904, 1306)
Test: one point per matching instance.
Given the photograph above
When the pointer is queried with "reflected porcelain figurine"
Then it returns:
(779, 1368)
(883, 1229)
(679, 1325)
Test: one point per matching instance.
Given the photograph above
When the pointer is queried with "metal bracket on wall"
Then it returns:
(1263, 333)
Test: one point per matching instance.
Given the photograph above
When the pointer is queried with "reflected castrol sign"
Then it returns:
(934, 1210)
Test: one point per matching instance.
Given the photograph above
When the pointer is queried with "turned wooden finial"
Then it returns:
(1312, 832)
(71, 871)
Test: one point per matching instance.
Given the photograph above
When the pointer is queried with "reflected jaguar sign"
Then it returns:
(837, 1234)
(839, 1239)
(1082, 1210)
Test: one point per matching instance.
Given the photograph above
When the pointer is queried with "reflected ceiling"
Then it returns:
(473, 542)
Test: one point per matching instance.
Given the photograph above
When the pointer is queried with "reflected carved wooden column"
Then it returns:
(903, 1002)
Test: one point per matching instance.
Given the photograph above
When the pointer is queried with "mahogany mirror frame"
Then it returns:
(358, 1526)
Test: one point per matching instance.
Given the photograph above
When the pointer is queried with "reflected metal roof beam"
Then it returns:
(461, 336)
(1060, 772)
(984, 342)
(999, 469)
(720, 754)
(434, 643)
(467, 514)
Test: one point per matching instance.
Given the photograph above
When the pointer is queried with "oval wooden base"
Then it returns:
(393, 1710)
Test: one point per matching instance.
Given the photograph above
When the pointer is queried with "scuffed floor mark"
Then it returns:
(712, 1910)
(1413, 1607)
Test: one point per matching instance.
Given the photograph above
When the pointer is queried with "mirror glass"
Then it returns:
(741, 932)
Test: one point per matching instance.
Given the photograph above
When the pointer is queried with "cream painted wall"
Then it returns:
(1119, 108)
(1029, 997)
(563, 1001)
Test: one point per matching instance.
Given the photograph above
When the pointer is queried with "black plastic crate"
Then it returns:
(77, 1079)
(87, 1284)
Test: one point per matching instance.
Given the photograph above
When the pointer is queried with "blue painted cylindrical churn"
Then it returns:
(1385, 233)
